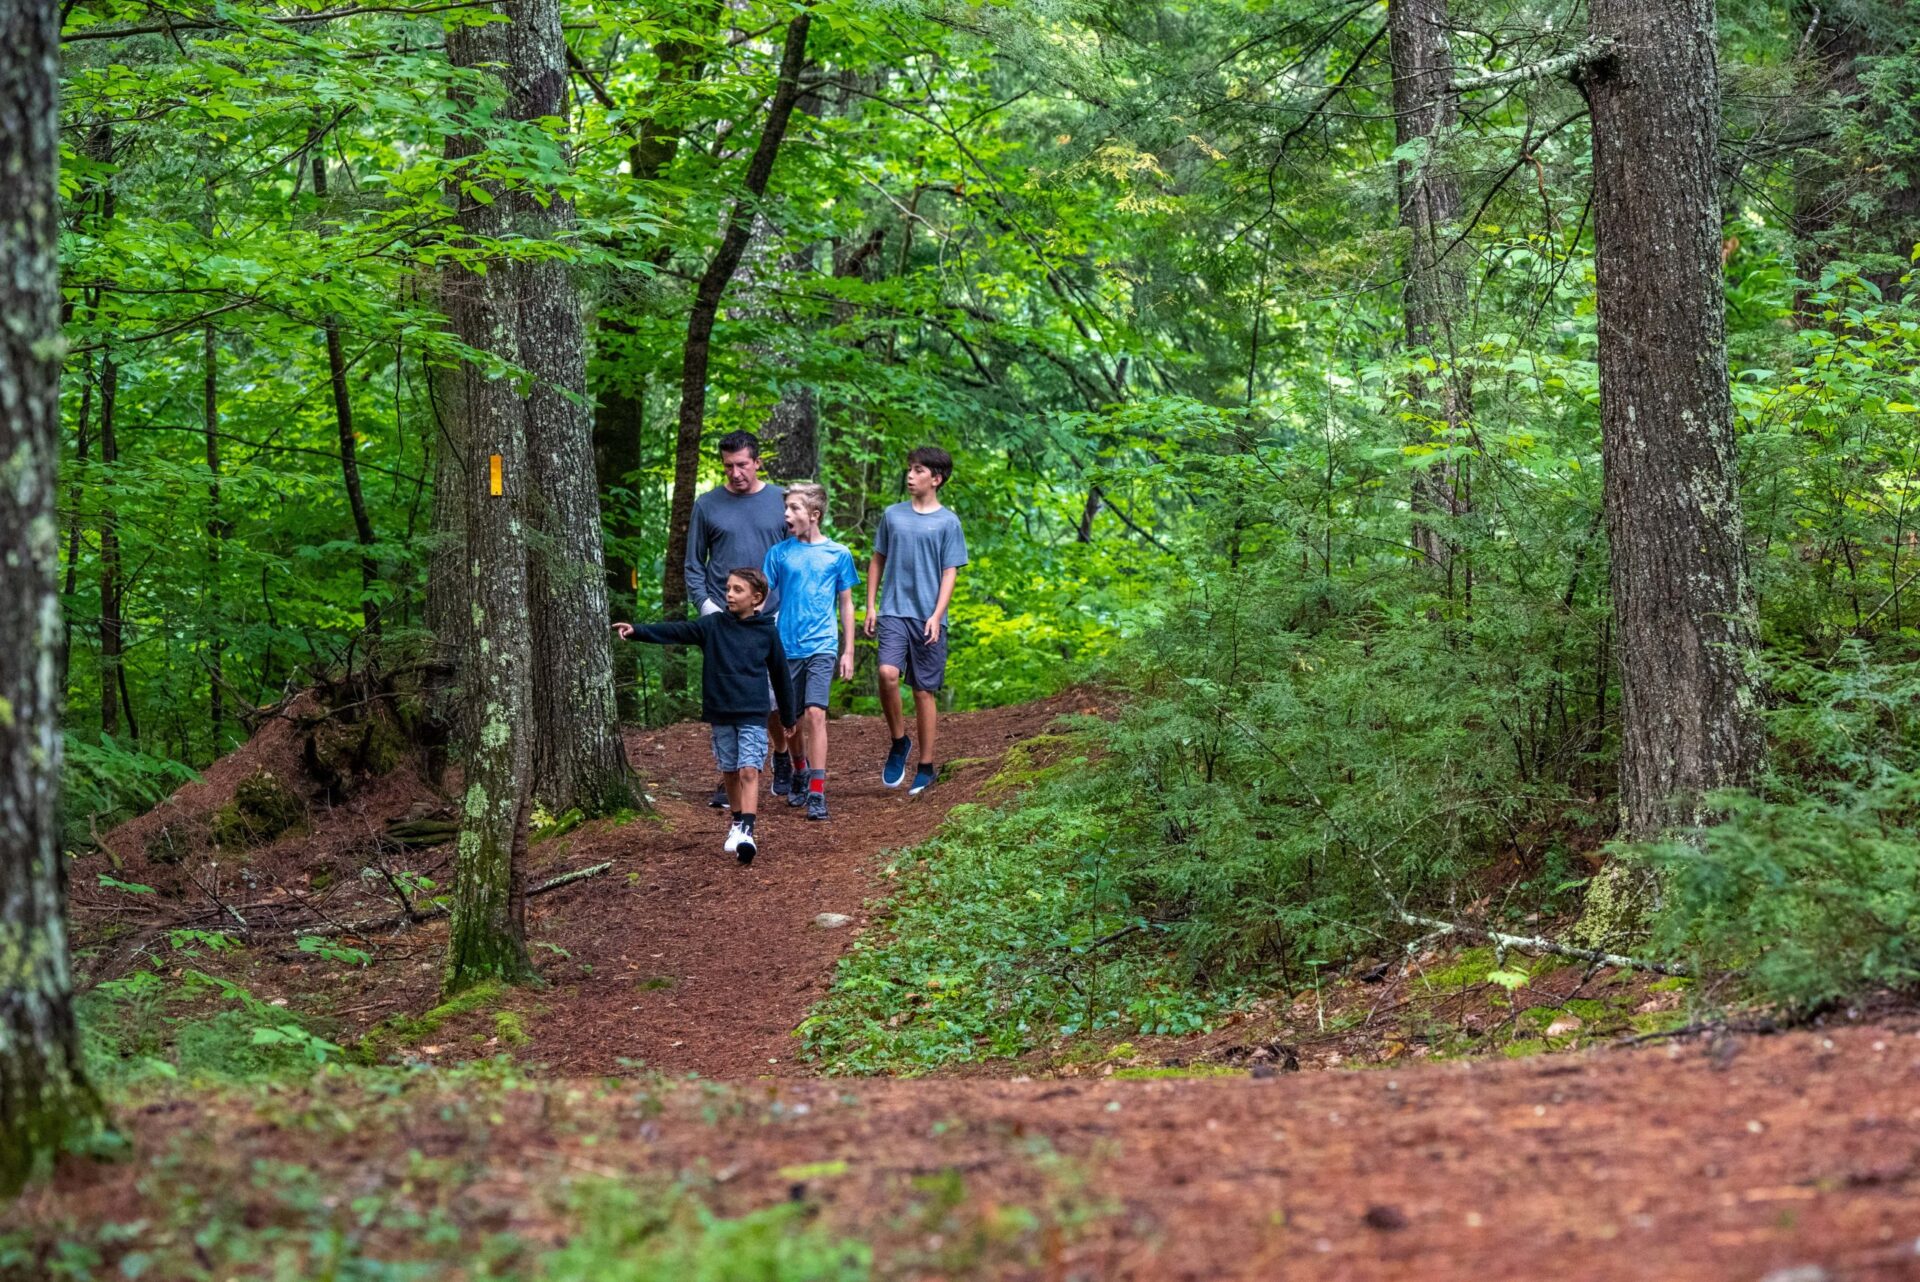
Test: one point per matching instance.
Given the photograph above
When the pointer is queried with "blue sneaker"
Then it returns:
(782, 773)
(894, 773)
(923, 778)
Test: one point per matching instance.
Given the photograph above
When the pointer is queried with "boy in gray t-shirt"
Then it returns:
(918, 553)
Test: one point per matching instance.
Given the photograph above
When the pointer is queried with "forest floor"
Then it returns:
(1783, 1158)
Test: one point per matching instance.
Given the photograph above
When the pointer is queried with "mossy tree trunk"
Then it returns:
(579, 762)
(1681, 596)
(487, 939)
(44, 1098)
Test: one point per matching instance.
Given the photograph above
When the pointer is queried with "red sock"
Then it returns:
(817, 782)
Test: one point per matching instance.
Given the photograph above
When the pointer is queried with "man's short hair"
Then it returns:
(935, 460)
(813, 494)
(733, 442)
(754, 580)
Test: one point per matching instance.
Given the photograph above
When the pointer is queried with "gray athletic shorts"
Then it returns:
(812, 679)
(904, 645)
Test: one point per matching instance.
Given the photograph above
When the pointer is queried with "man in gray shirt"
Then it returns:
(919, 550)
(733, 526)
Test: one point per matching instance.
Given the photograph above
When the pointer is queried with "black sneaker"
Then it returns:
(798, 797)
(782, 773)
(719, 799)
(746, 850)
(894, 773)
(817, 805)
(923, 779)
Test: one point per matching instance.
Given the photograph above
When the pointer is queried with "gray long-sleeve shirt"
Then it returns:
(728, 531)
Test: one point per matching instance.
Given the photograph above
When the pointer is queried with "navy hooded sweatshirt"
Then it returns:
(743, 656)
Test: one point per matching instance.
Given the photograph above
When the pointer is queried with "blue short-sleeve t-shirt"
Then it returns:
(809, 578)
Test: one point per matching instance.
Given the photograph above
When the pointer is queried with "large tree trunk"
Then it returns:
(487, 938)
(1681, 596)
(44, 1099)
(579, 762)
(706, 307)
(1425, 112)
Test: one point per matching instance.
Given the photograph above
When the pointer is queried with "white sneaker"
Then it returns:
(735, 835)
(746, 850)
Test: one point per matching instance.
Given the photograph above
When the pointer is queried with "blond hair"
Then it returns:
(811, 494)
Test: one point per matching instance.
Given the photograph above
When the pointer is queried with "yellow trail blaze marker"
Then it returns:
(493, 481)
(636, 577)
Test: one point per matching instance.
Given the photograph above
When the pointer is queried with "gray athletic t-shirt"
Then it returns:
(918, 546)
(728, 531)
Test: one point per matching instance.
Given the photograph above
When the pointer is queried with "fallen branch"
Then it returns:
(1537, 944)
(414, 918)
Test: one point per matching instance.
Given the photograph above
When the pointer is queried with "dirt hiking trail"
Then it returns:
(700, 965)
(1789, 1158)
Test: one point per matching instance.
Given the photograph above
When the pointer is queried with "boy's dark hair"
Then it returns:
(752, 578)
(747, 441)
(935, 460)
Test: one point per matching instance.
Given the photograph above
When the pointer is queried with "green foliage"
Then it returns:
(1809, 885)
(189, 1024)
(105, 781)
(628, 1235)
(405, 1030)
(1009, 929)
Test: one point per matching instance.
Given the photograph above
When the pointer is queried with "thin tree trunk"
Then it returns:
(343, 422)
(579, 762)
(487, 939)
(706, 307)
(44, 1098)
(1681, 596)
(1434, 295)
(111, 648)
(64, 664)
(618, 420)
(216, 528)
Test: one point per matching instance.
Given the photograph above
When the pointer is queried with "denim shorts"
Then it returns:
(739, 743)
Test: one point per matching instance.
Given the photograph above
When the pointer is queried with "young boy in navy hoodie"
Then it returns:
(743, 656)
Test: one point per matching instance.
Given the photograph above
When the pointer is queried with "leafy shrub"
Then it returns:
(1008, 929)
(106, 782)
(1809, 883)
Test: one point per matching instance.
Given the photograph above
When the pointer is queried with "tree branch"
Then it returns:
(1586, 55)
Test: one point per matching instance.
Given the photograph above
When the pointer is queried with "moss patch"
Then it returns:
(262, 809)
(405, 1030)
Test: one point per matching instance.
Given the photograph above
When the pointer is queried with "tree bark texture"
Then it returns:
(706, 307)
(487, 938)
(44, 1098)
(579, 762)
(1434, 295)
(1681, 595)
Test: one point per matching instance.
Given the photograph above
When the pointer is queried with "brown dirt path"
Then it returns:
(700, 965)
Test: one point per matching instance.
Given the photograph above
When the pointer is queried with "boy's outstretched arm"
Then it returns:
(846, 634)
(948, 577)
(672, 632)
(874, 566)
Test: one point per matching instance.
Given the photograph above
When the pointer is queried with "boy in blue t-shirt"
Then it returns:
(815, 578)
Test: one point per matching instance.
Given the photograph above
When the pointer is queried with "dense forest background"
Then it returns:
(1265, 335)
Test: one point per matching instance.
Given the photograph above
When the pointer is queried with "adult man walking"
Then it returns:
(733, 527)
